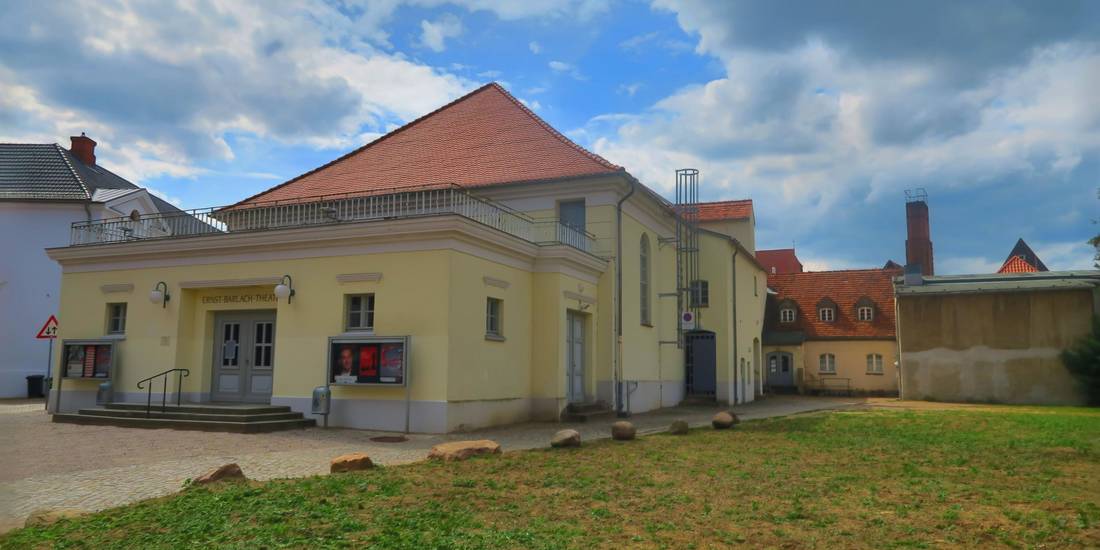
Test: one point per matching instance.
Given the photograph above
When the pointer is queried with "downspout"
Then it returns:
(617, 369)
(736, 359)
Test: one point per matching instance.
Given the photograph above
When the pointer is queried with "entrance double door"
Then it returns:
(574, 360)
(244, 351)
(780, 371)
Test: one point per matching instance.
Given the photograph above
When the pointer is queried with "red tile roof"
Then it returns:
(486, 137)
(1017, 264)
(780, 260)
(846, 289)
(725, 210)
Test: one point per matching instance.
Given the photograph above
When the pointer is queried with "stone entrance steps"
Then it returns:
(210, 418)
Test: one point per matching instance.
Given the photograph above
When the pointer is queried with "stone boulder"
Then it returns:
(678, 427)
(623, 431)
(352, 462)
(724, 420)
(566, 438)
(229, 472)
(48, 516)
(461, 450)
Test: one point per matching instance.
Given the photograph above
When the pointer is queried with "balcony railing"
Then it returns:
(325, 210)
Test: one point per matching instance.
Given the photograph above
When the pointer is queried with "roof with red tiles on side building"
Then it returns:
(1017, 264)
(724, 210)
(1024, 251)
(486, 137)
(848, 289)
(780, 260)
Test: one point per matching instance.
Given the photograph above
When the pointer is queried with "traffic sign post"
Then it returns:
(48, 332)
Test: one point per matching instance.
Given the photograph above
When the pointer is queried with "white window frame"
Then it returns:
(821, 314)
(786, 315)
(494, 318)
(644, 269)
(866, 313)
(826, 363)
(116, 318)
(874, 363)
(365, 312)
(699, 294)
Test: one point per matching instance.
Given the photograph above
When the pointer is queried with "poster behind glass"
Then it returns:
(367, 361)
(88, 359)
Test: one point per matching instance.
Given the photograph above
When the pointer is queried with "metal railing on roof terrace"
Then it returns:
(325, 210)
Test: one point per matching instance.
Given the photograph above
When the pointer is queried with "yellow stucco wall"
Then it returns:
(851, 363)
(999, 347)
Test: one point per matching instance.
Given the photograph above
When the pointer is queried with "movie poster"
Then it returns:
(367, 362)
(74, 361)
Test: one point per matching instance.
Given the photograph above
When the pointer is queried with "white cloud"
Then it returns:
(433, 34)
(567, 69)
(306, 73)
(630, 89)
(534, 47)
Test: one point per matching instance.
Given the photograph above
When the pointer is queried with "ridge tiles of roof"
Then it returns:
(486, 137)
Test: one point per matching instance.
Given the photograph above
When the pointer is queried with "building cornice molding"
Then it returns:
(116, 287)
(227, 283)
(444, 232)
(499, 283)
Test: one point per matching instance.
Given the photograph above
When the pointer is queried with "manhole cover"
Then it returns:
(389, 439)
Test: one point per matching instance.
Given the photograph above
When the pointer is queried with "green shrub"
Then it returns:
(1083, 361)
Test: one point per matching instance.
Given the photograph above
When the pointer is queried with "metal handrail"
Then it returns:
(164, 390)
(323, 210)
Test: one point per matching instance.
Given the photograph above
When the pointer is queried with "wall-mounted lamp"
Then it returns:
(159, 294)
(285, 289)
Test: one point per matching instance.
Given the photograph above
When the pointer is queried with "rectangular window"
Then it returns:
(699, 294)
(866, 313)
(360, 308)
(874, 364)
(116, 318)
(827, 363)
(571, 213)
(786, 315)
(826, 314)
(494, 308)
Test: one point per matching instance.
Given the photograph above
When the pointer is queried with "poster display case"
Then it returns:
(88, 359)
(368, 360)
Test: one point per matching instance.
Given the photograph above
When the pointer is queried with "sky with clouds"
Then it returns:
(822, 112)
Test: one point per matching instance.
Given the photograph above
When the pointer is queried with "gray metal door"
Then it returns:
(574, 369)
(244, 351)
(780, 369)
(700, 358)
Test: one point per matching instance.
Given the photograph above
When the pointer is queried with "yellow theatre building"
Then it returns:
(472, 268)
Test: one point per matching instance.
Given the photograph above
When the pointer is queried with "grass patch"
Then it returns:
(1002, 476)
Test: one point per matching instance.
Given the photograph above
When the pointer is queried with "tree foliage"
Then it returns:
(1083, 361)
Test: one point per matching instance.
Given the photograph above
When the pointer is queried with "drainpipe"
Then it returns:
(618, 359)
(736, 359)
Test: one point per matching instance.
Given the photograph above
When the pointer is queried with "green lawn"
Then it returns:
(996, 476)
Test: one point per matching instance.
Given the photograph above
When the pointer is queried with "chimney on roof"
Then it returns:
(83, 148)
(918, 242)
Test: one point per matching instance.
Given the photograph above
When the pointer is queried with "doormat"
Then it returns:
(389, 439)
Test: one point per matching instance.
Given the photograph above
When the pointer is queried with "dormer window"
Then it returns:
(786, 315)
(865, 309)
(826, 310)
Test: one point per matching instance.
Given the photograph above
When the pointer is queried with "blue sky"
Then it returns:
(823, 113)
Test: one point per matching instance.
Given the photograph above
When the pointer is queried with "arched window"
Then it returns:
(644, 270)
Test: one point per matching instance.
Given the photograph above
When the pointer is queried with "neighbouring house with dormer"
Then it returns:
(44, 188)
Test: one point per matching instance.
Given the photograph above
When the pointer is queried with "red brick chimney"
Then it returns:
(83, 148)
(918, 245)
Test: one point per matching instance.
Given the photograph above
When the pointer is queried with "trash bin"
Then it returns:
(35, 386)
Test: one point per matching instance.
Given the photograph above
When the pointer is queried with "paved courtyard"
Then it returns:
(47, 465)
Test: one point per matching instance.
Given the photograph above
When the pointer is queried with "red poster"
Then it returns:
(89, 361)
(368, 361)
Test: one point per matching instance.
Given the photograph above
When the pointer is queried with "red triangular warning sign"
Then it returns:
(48, 330)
